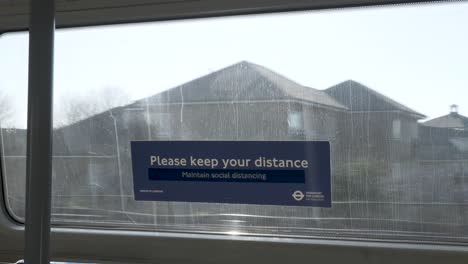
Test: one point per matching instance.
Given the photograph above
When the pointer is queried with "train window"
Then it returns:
(53, 262)
(13, 116)
(376, 83)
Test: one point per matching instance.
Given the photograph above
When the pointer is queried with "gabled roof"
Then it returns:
(358, 97)
(243, 81)
(452, 120)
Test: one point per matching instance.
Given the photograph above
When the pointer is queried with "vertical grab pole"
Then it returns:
(39, 138)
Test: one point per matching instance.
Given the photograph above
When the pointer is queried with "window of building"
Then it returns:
(413, 129)
(396, 128)
(162, 124)
(295, 122)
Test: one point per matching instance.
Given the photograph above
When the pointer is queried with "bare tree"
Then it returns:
(6, 110)
(73, 108)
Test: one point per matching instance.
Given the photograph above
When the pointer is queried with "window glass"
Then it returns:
(295, 121)
(396, 129)
(358, 78)
(13, 115)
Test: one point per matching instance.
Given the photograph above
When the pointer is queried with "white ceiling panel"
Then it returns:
(14, 13)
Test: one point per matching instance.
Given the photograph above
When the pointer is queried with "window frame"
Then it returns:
(150, 247)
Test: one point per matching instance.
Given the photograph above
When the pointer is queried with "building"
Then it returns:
(378, 136)
(445, 137)
(244, 101)
(442, 153)
(383, 126)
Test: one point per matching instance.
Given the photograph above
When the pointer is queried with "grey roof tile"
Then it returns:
(358, 97)
(243, 81)
(452, 120)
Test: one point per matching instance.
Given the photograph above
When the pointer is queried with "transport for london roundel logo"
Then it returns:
(298, 195)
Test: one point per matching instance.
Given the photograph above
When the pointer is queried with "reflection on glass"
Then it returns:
(399, 154)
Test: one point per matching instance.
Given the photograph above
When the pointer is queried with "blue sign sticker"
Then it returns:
(242, 172)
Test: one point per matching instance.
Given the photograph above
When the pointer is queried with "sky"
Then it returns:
(416, 54)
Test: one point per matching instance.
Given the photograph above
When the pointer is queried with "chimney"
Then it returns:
(454, 109)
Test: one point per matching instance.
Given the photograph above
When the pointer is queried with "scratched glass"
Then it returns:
(385, 86)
